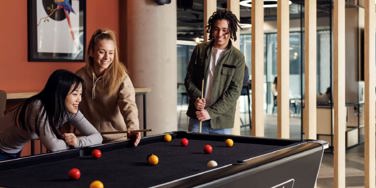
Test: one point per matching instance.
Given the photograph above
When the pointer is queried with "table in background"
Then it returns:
(15, 98)
(139, 91)
(251, 162)
(143, 92)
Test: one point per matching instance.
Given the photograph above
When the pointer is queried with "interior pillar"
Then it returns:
(148, 46)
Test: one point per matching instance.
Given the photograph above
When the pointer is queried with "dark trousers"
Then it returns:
(7, 156)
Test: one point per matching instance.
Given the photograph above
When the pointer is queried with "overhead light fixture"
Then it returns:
(245, 25)
(163, 2)
(199, 40)
(267, 3)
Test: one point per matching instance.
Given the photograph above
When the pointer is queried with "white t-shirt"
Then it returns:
(215, 55)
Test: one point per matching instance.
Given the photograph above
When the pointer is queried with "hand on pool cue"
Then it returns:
(135, 137)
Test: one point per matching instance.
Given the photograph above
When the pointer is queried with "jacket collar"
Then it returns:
(229, 45)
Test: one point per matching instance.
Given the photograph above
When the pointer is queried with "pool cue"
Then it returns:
(202, 96)
(133, 131)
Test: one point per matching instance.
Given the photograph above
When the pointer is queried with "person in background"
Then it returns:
(275, 93)
(274, 88)
(215, 71)
(325, 99)
(109, 96)
(43, 115)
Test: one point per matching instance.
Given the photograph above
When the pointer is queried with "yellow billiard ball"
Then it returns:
(153, 159)
(229, 142)
(167, 137)
(96, 184)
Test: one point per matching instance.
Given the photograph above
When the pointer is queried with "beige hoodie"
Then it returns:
(117, 112)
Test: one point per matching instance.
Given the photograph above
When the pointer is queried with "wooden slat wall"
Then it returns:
(283, 69)
(339, 93)
(234, 7)
(210, 6)
(309, 111)
(257, 17)
(369, 78)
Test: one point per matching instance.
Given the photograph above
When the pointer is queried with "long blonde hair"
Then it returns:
(115, 74)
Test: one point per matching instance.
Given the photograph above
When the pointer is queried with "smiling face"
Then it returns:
(221, 34)
(73, 99)
(103, 55)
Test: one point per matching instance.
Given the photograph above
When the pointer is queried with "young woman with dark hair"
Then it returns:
(42, 116)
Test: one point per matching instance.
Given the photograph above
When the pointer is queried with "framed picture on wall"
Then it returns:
(56, 30)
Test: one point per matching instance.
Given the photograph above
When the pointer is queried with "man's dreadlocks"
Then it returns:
(233, 22)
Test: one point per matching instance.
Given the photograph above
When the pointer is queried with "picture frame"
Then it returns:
(56, 30)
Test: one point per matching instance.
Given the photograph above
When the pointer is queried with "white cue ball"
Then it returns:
(212, 164)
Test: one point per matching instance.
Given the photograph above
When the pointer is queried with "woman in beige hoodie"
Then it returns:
(108, 96)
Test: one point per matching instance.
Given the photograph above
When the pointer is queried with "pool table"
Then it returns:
(251, 162)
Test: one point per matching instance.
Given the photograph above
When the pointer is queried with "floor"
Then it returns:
(354, 155)
(354, 169)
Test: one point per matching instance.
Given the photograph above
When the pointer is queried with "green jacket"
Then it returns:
(228, 80)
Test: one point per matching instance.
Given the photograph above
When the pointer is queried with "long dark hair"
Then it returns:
(233, 22)
(52, 99)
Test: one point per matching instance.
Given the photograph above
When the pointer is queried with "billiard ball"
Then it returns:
(208, 149)
(184, 142)
(229, 142)
(96, 184)
(74, 174)
(96, 153)
(212, 164)
(167, 137)
(153, 159)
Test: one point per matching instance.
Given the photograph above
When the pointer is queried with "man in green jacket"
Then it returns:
(215, 76)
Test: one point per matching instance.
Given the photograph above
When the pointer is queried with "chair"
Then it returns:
(245, 92)
(3, 102)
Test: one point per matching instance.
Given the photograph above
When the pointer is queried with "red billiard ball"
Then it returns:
(184, 142)
(96, 153)
(208, 149)
(74, 174)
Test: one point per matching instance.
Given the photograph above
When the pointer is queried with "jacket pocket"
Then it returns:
(228, 70)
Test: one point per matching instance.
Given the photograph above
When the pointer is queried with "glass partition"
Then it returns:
(184, 51)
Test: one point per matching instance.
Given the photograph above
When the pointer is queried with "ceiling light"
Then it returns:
(267, 3)
(199, 40)
(245, 25)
